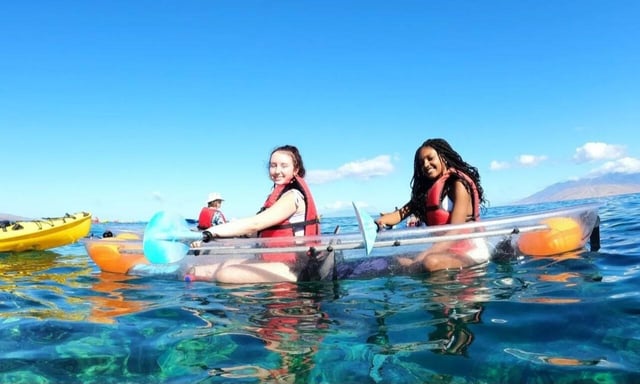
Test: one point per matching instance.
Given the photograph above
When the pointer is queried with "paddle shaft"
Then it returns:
(381, 244)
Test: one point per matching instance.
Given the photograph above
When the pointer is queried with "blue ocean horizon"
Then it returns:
(562, 319)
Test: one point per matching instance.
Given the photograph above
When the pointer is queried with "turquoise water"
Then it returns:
(567, 319)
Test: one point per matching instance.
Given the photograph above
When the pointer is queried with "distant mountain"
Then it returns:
(10, 217)
(606, 185)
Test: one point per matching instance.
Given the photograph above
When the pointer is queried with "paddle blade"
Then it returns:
(367, 226)
(166, 237)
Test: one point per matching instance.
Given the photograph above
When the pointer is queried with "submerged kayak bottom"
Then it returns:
(299, 266)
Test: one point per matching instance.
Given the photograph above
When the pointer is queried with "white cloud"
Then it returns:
(624, 165)
(598, 151)
(498, 165)
(361, 169)
(531, 160)
(523, 160)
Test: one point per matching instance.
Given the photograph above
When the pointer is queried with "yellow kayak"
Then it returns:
(45, 233)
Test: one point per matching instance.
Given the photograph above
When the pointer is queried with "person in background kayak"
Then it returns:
(289, 211)
(444, 190)
(211, 214)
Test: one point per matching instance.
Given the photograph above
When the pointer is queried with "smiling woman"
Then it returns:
(445, 189)
(288, 212)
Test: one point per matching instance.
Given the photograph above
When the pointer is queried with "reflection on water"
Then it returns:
(289, 321)
(27, 263)
(458, 298)
(35, 284)
(109, 298)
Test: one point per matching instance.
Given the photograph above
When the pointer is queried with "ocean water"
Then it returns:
(572, 318)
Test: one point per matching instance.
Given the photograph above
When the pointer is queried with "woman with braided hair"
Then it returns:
(444, 190)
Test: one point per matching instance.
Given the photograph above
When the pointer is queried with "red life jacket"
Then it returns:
(206, 215)
(286, 228)
(436, 214)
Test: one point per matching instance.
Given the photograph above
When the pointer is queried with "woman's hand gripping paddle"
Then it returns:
(166, 238)
(367, 226)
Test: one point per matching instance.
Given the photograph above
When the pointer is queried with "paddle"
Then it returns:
(367, 226)
(167, 237)
(369, 230)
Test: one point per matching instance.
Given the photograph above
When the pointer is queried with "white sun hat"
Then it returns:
(213, 196)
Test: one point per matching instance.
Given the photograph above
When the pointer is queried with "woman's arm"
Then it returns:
(280, 211)
(393, 218)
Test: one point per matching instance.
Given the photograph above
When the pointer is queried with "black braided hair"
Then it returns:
(421, 183)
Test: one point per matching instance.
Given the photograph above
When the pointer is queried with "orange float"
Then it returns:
(117, 254)
(564, 235)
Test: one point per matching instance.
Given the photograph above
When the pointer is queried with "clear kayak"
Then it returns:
(164, 247)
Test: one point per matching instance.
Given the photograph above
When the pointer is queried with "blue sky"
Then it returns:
(125, 108)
